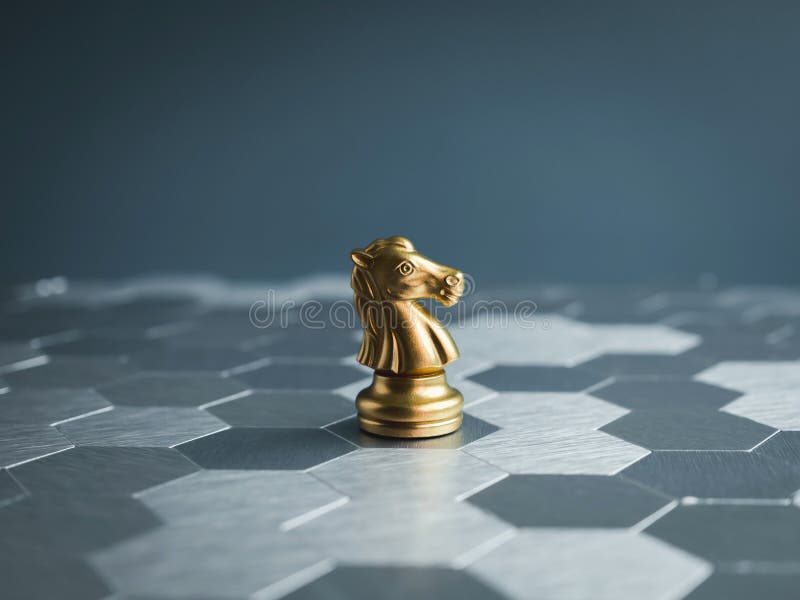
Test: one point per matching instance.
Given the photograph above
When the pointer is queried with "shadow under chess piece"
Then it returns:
(405, 345)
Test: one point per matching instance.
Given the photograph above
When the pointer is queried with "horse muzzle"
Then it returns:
(452, 289)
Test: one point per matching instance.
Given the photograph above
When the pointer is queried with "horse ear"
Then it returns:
(361, 259)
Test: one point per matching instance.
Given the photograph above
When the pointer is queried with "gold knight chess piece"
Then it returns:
(405, 345)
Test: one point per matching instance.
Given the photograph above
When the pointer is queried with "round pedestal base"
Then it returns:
(409, 406)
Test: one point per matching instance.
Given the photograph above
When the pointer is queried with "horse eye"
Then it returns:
(405, 268)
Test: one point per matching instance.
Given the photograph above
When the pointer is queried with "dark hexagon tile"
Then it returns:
(172, 358)
(395, 583)
(9, 489)
(728, 533)
(726, 474)
(40, 573)
(310, 376)
(471, 429)
(100, 346)
(665, 394)
(647, 365)
(92, 471)
(284, 409)
(569, 501)
(74, 524)
(20, 442)
(259, 448)
(784, 445)
(688, 430)
(747, 586)
(221, 330)
(14, 353)
(170, 389)
(511, 378)
(46, 406)
(71, 372)
(37, 323)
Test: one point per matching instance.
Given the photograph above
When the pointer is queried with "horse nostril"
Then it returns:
(452, 280)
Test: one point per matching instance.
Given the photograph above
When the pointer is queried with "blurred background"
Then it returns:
(634, 141)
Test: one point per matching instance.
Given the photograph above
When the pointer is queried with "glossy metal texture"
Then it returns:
(405, 345)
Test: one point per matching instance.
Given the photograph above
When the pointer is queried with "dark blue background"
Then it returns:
(573, 141)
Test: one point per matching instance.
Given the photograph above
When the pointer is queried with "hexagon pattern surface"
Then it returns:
(158, 442)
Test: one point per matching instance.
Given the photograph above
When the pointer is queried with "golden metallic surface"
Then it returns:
(405, 345)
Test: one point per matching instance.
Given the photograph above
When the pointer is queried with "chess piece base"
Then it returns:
(405, 406)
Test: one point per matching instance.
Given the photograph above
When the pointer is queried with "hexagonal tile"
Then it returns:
(146, 427)
(730, 534)
(98, 471)
(191, 561)
(373, 531)
(14, 356)
(172, 358)
(683, 394)
(589, 563)
(569, 501)
(260, 448)
(525, 378)
(48, 406)
(21, 442)
(647, 365)
(705, 474)
(70, 372)
(471, 429)
(74, 524)
(311, 376)
(677, 429)
(305, 342)
(103, 346)
(395, 583)
(263, 499)
(780, 410)
(171, 389)
(284, 409)
(411, 475)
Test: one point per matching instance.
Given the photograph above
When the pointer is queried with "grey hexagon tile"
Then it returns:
(683, 394)
(193, 561)
(589, 563)
(705, 474)
(262, 448)
(746, 586)
(15, 356)
(784, 446)
(145, 427)
(171, 389)
(34, 573)
(104, 346)
(474, 393)
(74, 524)
(310, 376)
(748, 535)
(220, 330)
(263, 499)
(21, 442)
(10, 491)
(304, 342)
(527, 378)
(70, 372)
(758, 377)
(555, 340)
(569, 501)
(48, 406)
(647, 365)
(675, 429)
(471, 429)
(98, 471)
(371, 531)
(395, 583)
(408, 474)
(171, 358)
(284, 409)
(775, 409)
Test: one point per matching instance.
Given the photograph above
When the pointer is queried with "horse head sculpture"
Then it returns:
(400, 336)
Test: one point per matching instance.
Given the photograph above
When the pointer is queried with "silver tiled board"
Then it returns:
(619, 442)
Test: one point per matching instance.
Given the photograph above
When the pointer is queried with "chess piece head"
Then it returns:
(392, 270)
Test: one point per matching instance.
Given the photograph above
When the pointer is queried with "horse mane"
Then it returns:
(368, 300)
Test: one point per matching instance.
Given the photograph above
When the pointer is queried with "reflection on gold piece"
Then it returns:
(405, 345)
